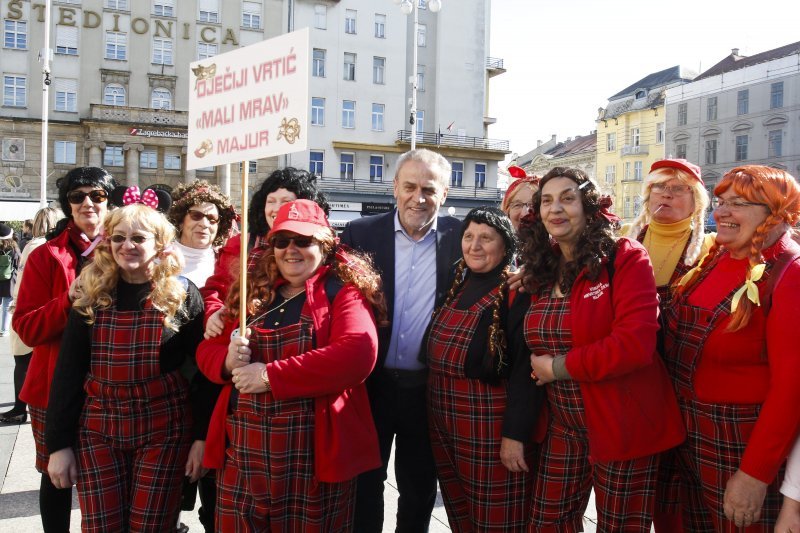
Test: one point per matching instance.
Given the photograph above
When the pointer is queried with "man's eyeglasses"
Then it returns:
(135, 239)
(280, 243)
(516, 206)
(197, 216)
(733, 204)
(97, 196)
(672, 190)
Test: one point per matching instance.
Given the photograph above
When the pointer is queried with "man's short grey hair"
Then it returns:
(440, 167)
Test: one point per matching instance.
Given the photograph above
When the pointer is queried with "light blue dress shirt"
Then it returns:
(414, 295)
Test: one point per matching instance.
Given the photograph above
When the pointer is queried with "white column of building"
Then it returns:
(132, 162)
(96, 153)
(189, 175)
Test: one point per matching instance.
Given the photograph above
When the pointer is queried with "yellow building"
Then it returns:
(630, 137)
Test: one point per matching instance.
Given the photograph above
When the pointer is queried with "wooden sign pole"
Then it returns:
(243, 252)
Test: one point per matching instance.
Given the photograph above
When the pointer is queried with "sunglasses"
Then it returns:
(97, 196)
(280, 243)
(135, 239)
(197, 216)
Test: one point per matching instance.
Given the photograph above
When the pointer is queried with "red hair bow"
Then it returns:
(605, 203)
(133, 196)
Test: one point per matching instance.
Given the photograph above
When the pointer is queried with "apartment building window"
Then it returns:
(350, 21)
(161, 98)
(317, 111)
(318, 63)
(611, 174)
(776, 95)
(348, 114)
(251, 15)
(682, 113)
(711, 152)
(122, 5)
(112, 156)
(114, 94)
(637, 205)
(711, 108)
(627, 174)
(420, 77)
(67, 40)
(66, 95)
(206, 50)
(741, 147)
(680, 151)
(743, 102)
(628, 207)
(172, 161)
(64, 152)
(349, 66)
(14, 91)
(148, 159)
(611, 142)
(378, 70)
(15, 34)
(116, 45)
(252, 166)
(775, 143)
(347, 166)
(634, 136)
(321, 16)
(164, 8)
(422, 35)
(480, 175)
(378, 111)
(209, 11)
(316, 162)
(380, 26)
(457, 174)
(376, 168)
(637, 170)
(420, 122)
(162, 51)
(660, 133)
(422, 4)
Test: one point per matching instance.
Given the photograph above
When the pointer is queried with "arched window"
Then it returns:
(640, 94)
(161, 98)
(114, 94)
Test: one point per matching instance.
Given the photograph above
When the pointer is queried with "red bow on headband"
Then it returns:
(133, 196)
(605, 204)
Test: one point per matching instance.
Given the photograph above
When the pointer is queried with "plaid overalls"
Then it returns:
(466, 418)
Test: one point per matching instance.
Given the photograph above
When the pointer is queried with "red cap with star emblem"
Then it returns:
(303, 217)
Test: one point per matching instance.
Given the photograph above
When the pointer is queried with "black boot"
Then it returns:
(19, 414)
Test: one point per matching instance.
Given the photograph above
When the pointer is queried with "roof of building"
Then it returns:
(578, 145)
(656, 79)
(734, 61)
(653, 87)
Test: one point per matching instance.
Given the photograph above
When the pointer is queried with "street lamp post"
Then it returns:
(407, 7)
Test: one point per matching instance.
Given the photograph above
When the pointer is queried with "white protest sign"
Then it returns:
(249, 103)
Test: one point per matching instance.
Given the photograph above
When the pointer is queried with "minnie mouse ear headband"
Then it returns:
(681, 164)
(158, 199)
(5, 232)
(521, 177)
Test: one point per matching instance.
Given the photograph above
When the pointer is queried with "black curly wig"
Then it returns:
(83, 177)
(540, 257)
(300, 182)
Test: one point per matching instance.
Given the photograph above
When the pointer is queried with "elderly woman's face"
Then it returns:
(275, 200)
(297, 257)
(200, 225)
(520, 204)
(737, 221)
(670, 201)
(483, 247)
(561, 211)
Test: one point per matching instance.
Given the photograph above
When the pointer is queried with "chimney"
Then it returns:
(553, 138)
(538, 143)
(734, 51)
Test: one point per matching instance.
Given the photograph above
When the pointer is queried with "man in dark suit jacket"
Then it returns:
(414, 249)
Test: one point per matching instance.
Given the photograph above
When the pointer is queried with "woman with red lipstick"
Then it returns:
(591, 330)
(732, 359)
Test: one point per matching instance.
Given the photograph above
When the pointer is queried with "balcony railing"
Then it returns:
(436, 139)
(385, 188)
(140, 115)
(639, 149)
(494, 63)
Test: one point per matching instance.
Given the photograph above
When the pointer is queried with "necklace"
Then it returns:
(657, 271)
(280, 307)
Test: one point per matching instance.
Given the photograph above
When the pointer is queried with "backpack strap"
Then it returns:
(782, 263)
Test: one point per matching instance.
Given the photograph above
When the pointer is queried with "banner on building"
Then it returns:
(249, 103)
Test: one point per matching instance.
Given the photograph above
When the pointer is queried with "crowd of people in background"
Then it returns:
(520, 358)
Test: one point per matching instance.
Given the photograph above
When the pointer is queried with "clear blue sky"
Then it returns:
(565, 58)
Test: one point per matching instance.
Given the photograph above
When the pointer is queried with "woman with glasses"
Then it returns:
(45, 297)
(118, 421)
(203, 217)
(732, 358)
(294, 410)
(517, 200)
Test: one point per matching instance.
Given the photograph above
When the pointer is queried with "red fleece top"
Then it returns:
(733, 370)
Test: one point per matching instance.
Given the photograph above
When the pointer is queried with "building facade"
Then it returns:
(118, 92)
(580, 152)
(744, 110)
(631, 136)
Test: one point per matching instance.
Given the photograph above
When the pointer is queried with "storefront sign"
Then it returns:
(139, 132)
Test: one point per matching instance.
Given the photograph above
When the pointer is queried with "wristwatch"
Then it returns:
(265, 378)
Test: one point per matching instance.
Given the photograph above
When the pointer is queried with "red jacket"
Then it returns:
(345, 440)
(41, 312)
(628, 399)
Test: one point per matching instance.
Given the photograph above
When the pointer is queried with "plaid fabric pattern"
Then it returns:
(267, 483)
(466, 418)
(38, 418)
(665, 291)
(717, 438)
(134, 431)
(624, 490)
